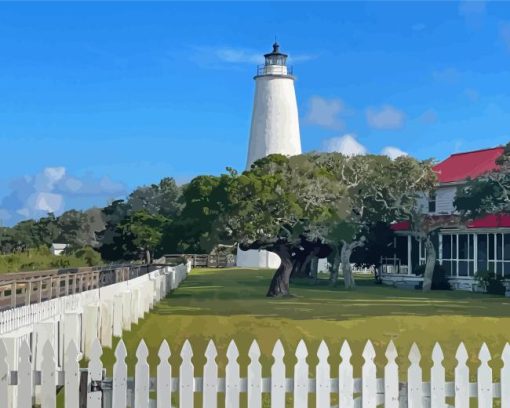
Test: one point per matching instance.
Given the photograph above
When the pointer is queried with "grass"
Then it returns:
(38, 260)
(225, 304)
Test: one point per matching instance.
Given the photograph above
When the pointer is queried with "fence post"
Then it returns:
(232, 378)
(254, 377)
(301, 376)
(391, 377)
(278, 376)
(48, 378)
(141, 376)
(28, 292)
(437, 378)
(72, 375)
(119, 384)
(186, 374)
(13, 294)
(5, 376)
(346, 380)
(95, 376)
(164, 377)
(414, 378)
(323, 380)
(484, 378)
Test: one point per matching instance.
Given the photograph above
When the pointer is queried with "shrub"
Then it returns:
(439, 279)
(490, 282)
(89, 255)
(60, 263)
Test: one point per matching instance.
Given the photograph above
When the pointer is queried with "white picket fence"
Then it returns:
(124, 392)
(46, 330)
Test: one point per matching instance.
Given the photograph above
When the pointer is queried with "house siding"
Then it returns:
(445, 197)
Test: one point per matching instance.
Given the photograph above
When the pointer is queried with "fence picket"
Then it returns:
(278, 376)
(119, 385)
(210, 377)
(391, 390)
(186, 373)
(414, 378)
(4, 376)
(142, 376)
(25, 377)
(72, 375)
(232, 377)
(484, 378)
(254, 377)
(437, 378)
(48, 380)
(505, 377)
(346, 379)
(164, 377)
(301, 377)
(368, 377)
(95, 375)
(323, 377)
(461, 378)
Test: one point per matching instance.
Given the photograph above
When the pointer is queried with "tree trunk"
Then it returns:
(430, 263)
(345, 256)
(334, 268)
(147, 256)
(280, 283)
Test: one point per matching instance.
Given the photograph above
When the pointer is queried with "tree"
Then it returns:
(161, 198)
(275, 205)
(377, 190)
(145, 231)
(488, 193)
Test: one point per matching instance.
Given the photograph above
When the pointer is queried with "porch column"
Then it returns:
(409, 247)
(440, 248)
(475, 253)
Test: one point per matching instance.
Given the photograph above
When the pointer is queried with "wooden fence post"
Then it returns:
(301, 376)
(164, 377)
(278, 376)
(345, 379)
(232, 377)
(254, 377)
(210, 387)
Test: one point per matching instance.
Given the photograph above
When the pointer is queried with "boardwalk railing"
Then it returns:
(204, 260)
(25, 288)
(326, 381)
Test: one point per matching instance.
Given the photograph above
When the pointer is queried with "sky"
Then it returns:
(99, 98)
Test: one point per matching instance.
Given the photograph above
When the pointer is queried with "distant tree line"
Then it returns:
(301, 207)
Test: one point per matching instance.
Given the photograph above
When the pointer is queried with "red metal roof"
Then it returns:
(461, 166)
(487, 221)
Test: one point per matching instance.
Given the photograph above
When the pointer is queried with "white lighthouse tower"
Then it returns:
(274, 129)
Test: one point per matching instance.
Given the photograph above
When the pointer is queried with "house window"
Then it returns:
(432, 202)
(458, 254)
(494, 254)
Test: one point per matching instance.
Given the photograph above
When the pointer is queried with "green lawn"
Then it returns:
(225, 304)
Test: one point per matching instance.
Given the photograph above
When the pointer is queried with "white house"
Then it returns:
(483, 245)
(57, 249)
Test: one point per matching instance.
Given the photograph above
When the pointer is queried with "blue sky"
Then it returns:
(98, 98)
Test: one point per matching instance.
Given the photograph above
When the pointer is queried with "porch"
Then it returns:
(462, 253)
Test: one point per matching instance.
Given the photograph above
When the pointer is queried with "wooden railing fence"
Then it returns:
(25, 288)
(205, 260)
(367, 391)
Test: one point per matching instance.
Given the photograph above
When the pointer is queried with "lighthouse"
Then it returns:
(274, 122)
(274, 129)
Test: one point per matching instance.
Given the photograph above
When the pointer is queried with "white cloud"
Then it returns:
(224, 56)
(325, 112)
(428, 117)
(418, 27)
(385, 117)
(393, 152)
(347, 145)
(448, 75)
(36, 195)
(471, 94)
(504, 33)
(473, 12)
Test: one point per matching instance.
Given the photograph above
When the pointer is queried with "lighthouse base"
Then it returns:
(254, 258)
